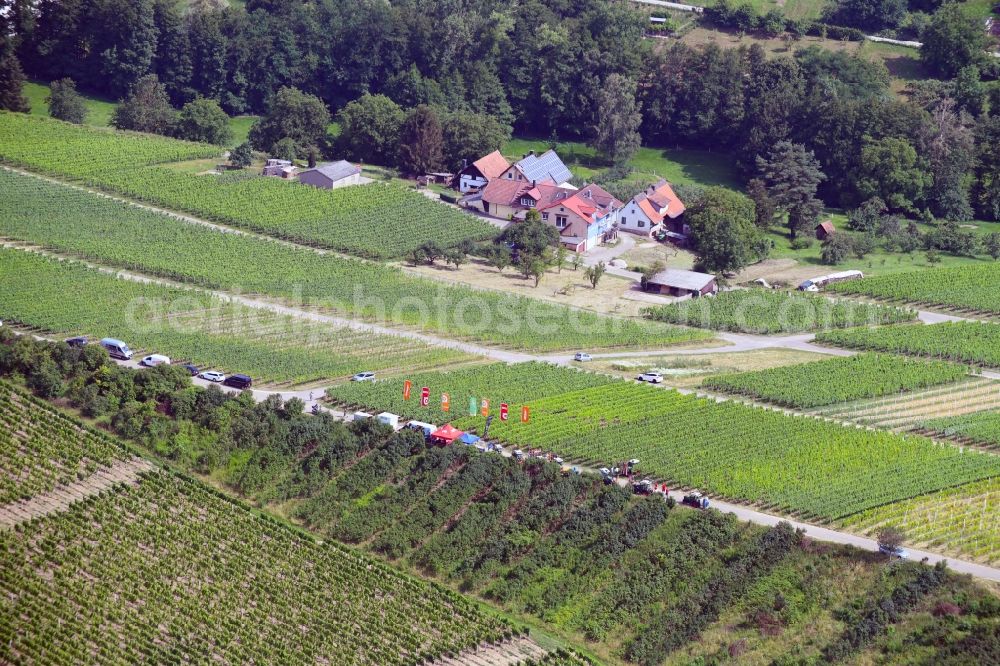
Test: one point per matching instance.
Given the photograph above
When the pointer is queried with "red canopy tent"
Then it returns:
(446, 434)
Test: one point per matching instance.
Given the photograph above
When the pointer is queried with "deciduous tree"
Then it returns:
(952, 41)
(724, 233)
(65, 103)
(369, 129)
(294, 115)
(204, 120)
(146, 109)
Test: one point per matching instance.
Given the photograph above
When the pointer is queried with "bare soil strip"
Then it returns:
(61, 498)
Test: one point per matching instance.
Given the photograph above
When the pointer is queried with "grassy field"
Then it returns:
(679, 166)
(98, 110)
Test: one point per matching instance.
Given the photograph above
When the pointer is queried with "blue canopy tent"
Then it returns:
(469, 439)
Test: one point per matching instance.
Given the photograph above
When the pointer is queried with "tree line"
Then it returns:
(423, 87)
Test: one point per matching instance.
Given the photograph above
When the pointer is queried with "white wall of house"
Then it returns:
(467, 183)
(631, 218)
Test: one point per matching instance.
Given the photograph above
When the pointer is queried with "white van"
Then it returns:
(117, 349)
(154, 360)
(389, 419)
(360, 416)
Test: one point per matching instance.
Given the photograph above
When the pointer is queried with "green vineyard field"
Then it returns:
(111, 232)
(976, 343)
(169, 571)
(375, 220)
(497, 382)
(40, 448)
(838, 380)
(981, 427)
(800, 464)
(70, 299)
(963, 287)
(961, 520)
(762, 311)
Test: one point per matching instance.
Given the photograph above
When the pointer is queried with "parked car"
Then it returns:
(651, 377)
(695, 499)
(363, 377)
(79, 341)
(582, 356)
(212, 376)
(193, 369)
(238, 381)
(154, 360)
(894, 551)
(117, 349)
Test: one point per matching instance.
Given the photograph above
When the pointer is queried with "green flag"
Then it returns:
(473, 405)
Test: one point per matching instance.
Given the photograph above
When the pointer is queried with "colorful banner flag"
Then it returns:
(473, 406)
(486, 430)
(425, 396)
(525, 414)
(407, 387)
(503, 411)
(445, 402)
(485, 407)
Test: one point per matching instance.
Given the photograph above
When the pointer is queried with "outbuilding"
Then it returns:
(333, 175)
(824, 230)
(676, 282)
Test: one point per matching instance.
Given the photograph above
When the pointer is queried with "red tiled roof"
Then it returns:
(587, 201)
(826, 226)
(663, 196)
(646, 207)
(492, 165)
(509, 192)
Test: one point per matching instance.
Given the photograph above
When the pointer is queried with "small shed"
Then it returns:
(280, 168)
(332, 175)
(676, 282)
(824, 230)
(446, 434)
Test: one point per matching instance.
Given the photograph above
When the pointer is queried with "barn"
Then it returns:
(676, 282)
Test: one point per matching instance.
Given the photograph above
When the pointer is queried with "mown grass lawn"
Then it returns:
(679, 166)
(99, 110)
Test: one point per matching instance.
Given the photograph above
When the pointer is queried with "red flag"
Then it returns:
(503, 411)
(425, 396)
(407, 387)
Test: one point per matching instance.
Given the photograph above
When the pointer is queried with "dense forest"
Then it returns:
(552, 68)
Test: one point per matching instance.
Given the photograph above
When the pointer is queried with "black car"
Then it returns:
(193, 369)
(238, 381)
(80, 341)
